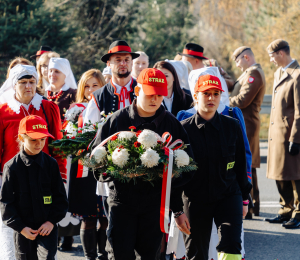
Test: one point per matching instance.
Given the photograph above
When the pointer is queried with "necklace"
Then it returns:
(56, 96)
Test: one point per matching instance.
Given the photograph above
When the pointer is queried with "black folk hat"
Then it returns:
(194, 51)
(119, 47)
(42, 50)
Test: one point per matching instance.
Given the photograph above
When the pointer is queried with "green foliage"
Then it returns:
(82, 30)
(26, 25)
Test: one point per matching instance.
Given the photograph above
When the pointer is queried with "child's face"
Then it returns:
(33, 146)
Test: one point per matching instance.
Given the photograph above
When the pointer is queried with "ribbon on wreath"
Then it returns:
(167, 175)
(167, 179)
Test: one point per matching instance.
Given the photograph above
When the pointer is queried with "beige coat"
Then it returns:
(248, 95)
(284, 125)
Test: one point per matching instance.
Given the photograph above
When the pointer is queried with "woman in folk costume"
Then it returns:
(224, 110)
(62, 88)
(20, 99)
(42, 69)
(221, 188)
(177, 99)
(84, 204)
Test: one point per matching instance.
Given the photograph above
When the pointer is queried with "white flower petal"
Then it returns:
(150, 158)
(120, 157)
(147, 138)
(181, 158)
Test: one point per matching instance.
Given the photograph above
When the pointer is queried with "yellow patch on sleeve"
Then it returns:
(230, 165)
(47, 199)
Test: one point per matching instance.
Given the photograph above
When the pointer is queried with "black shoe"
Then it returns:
(292, 223)
(67, 244)
(248, 215)
(279, 219)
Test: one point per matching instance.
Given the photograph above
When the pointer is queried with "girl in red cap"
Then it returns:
(33, 198)
(220, 187)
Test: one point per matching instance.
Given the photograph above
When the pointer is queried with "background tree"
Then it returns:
(26, 25)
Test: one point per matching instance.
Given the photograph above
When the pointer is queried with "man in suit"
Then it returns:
(283, 163)
(247, 94)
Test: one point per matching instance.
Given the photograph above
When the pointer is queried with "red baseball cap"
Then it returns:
(208, 82)
(153, 81)
(35, 127)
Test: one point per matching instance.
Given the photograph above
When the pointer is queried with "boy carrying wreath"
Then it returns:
(134, 207)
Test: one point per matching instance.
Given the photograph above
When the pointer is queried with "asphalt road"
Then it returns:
(263, 241)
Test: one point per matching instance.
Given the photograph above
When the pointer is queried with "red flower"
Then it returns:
(159, 142)
(80, 131)
(121, 147)
(132, 127)
(73, 137)
(114, 138)
(137, 144)
(104, 174)
(68, 137)
(138, 133)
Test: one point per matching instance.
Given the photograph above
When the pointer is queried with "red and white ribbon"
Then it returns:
(167, 179)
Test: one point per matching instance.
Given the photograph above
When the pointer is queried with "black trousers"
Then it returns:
(133, 229)
(42, 248)
(255, 194)
(289, 192)
(228, 216)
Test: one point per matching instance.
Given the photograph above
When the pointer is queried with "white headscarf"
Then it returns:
(7, 90)
(194, 76)
(63, 65)
(182, 72)
(107, 71)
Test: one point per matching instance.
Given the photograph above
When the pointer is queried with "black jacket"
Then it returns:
(32, 192)
(164, 122)
(178, 105)
(219, 150)
(107, 100)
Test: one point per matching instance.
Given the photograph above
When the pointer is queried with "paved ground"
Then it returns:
(263, 241)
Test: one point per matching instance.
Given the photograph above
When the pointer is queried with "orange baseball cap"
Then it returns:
(208, 82)
(35, 127)
(153, 81)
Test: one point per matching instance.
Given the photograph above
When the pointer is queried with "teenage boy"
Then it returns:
(134, 209)
(33, 197)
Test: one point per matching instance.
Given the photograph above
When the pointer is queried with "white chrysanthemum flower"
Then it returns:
(126, 135)
(99, 154)
(150, 158)
(73, 112)
(120, 157)
(147, 138)
(181, 158)
(71, 130)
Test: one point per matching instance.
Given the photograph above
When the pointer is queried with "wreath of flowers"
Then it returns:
(76, 139)
(131, 155)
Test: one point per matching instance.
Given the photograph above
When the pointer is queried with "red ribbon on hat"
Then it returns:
(38, 53)
(195, 53)
(119, 48)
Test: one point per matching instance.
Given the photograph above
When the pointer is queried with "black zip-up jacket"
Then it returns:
(32, 192)
(163, 122)
(219, 150)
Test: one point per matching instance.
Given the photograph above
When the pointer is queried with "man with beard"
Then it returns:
(118, 93)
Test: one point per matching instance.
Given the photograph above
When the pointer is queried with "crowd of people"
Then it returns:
(191, 97)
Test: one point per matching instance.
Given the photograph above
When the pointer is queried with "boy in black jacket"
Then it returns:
(134, 209)
(33, 198)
